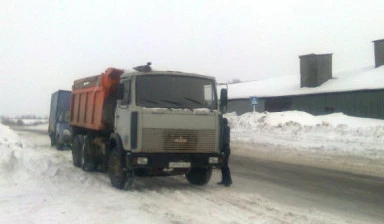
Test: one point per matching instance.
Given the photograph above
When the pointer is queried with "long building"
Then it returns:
(317, 90)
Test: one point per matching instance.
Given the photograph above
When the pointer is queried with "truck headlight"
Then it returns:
(213, 160)
(67, 132)
(142, 160)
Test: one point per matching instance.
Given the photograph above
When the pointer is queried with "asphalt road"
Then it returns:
(354, 196)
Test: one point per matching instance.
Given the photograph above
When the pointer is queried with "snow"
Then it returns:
(40, 185)
(364, 78)
(333, 141)
(177, 110)
(26, 122)
(29, 122)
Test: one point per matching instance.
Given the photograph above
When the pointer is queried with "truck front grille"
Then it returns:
(178, 140)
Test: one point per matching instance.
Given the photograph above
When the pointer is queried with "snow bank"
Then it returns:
(29, 122)
(294, 135)
(24, 122)
(10, 149)
(302, 128)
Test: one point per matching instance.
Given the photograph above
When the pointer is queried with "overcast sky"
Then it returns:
(45, 45)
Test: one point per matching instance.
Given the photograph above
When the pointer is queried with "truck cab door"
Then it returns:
(123, 114)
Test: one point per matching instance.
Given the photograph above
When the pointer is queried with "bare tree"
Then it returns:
(235, 80)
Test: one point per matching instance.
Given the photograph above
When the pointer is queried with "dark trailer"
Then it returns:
(60, 102)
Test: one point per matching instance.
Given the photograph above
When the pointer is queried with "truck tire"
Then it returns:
(87, 162)
(76, 151)
(59, 146)
(115, 169)
(199, 176)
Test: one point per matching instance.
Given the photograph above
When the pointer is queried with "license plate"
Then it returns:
(179, 164)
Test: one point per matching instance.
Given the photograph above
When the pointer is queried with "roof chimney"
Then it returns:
(315, 69)
(379, 52)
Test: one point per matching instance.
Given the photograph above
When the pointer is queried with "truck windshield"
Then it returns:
(171, 91)
(64, 116)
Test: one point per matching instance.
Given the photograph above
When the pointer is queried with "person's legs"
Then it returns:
(224, 170)
(228, 179)
(222, 175)
(227, 173)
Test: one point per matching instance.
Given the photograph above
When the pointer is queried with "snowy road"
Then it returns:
(40, 185)
(357, 196)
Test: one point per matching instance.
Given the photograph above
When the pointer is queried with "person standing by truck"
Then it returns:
(226, 179)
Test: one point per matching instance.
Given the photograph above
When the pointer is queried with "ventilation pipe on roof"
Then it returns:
(315, 69)
(379, 52)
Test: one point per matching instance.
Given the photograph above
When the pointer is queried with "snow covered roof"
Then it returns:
(361, 79)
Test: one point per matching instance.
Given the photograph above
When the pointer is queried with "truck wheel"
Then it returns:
(76, 151)
(59, 146)
(199, 176)
(115, 169)
(86, 157)
(130, 179)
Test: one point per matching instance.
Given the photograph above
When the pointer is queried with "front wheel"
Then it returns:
(115, 169)
(199, 176)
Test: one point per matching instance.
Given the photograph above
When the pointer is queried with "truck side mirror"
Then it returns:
(223, 99)
(120, 91)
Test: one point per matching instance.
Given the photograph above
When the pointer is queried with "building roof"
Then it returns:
(369, 78)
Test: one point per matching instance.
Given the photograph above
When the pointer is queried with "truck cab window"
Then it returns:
(127, 92)
(171, 91)
(64, 116)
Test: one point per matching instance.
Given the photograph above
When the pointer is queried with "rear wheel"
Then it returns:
(115, 169)
(199, 176)
(77, 148)
(86, 155)
(59, 146)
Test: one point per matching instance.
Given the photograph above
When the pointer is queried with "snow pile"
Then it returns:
(10, 149)
(29, 122)
(23, 122)
(356, 141)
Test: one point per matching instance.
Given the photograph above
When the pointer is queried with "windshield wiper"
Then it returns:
(179, 105)
(194, 101)
(198, 103)
(150, 101)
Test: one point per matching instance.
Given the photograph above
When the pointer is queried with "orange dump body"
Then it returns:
(88, 101)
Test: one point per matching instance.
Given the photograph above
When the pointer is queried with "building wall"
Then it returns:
(241, 106)
(315, 69)
(379, 52)
(308, 71)
(364, 103)
(367, 103)
(324, 68)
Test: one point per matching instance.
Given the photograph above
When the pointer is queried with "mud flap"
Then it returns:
(129, 180)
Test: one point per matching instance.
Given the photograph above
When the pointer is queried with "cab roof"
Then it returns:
(128, 73)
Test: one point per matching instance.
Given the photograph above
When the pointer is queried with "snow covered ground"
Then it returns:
(40, 185)
(332, 141)
(24, 122)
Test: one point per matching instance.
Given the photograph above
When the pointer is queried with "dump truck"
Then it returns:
(59, 129)
(142, 122)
